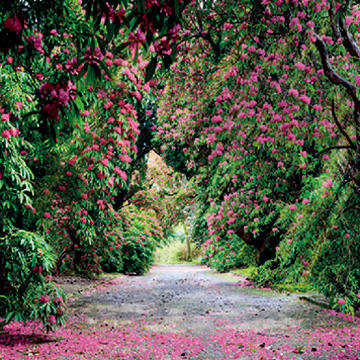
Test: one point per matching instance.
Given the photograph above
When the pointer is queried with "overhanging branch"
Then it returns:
(340, 126)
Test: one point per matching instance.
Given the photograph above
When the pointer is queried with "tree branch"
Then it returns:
(334, 24)
(331, 74)
(335, 147)
(340, 126)
(349, 42)
(336, 79)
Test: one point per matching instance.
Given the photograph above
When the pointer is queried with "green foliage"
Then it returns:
(26, 290)
(141, 236)
(322, 234)
(226, 254)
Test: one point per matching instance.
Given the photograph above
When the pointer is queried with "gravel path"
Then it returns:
(191, 299)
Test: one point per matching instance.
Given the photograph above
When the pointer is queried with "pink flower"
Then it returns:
(305, 99)
(105, 162)
(317, 107)
(5, 134)
(44, 299)
(310, 24)
(300, 66)
(216, 119)
(100, 175)
(289, 241)
(108, 105)
(137, 95)
(51, 319)
(305, 201)
(357, 80)
(292, 207)
(13, 24)
(341, 301)
(263, 128)
(294, 92)
(53, 32)
(14, 131)
(136, 38)
(47, 215)
(5, 117)
(72, 161)
(358, 295)
(327, 183)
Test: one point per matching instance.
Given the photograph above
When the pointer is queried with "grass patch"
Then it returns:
(301, 287)
(105, 274)
(248, 272)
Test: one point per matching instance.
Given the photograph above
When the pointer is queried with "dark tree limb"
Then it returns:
(336, 79)
(331, 74)
(334, 147)
(349, 41)
(352, 145)
(334, 24)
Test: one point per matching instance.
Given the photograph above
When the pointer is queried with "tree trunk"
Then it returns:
(188, 244)
(265, 243)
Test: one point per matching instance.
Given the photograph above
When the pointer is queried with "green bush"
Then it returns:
(138, 255)
(142, 233)
(229, 253)
(26, 289)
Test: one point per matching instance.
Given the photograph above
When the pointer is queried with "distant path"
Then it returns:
(197, 301)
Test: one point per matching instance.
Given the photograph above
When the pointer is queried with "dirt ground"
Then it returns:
(198, 301)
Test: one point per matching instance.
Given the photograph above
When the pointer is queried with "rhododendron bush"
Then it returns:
(262, 107)
(76, 78)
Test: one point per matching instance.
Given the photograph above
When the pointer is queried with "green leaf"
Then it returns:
(150, 69)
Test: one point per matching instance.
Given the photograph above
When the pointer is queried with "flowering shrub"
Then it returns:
(262, 109)
(75, 76)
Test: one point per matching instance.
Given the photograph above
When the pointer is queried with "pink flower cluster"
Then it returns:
(57, 95)
(10, 132)
(13, 24)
